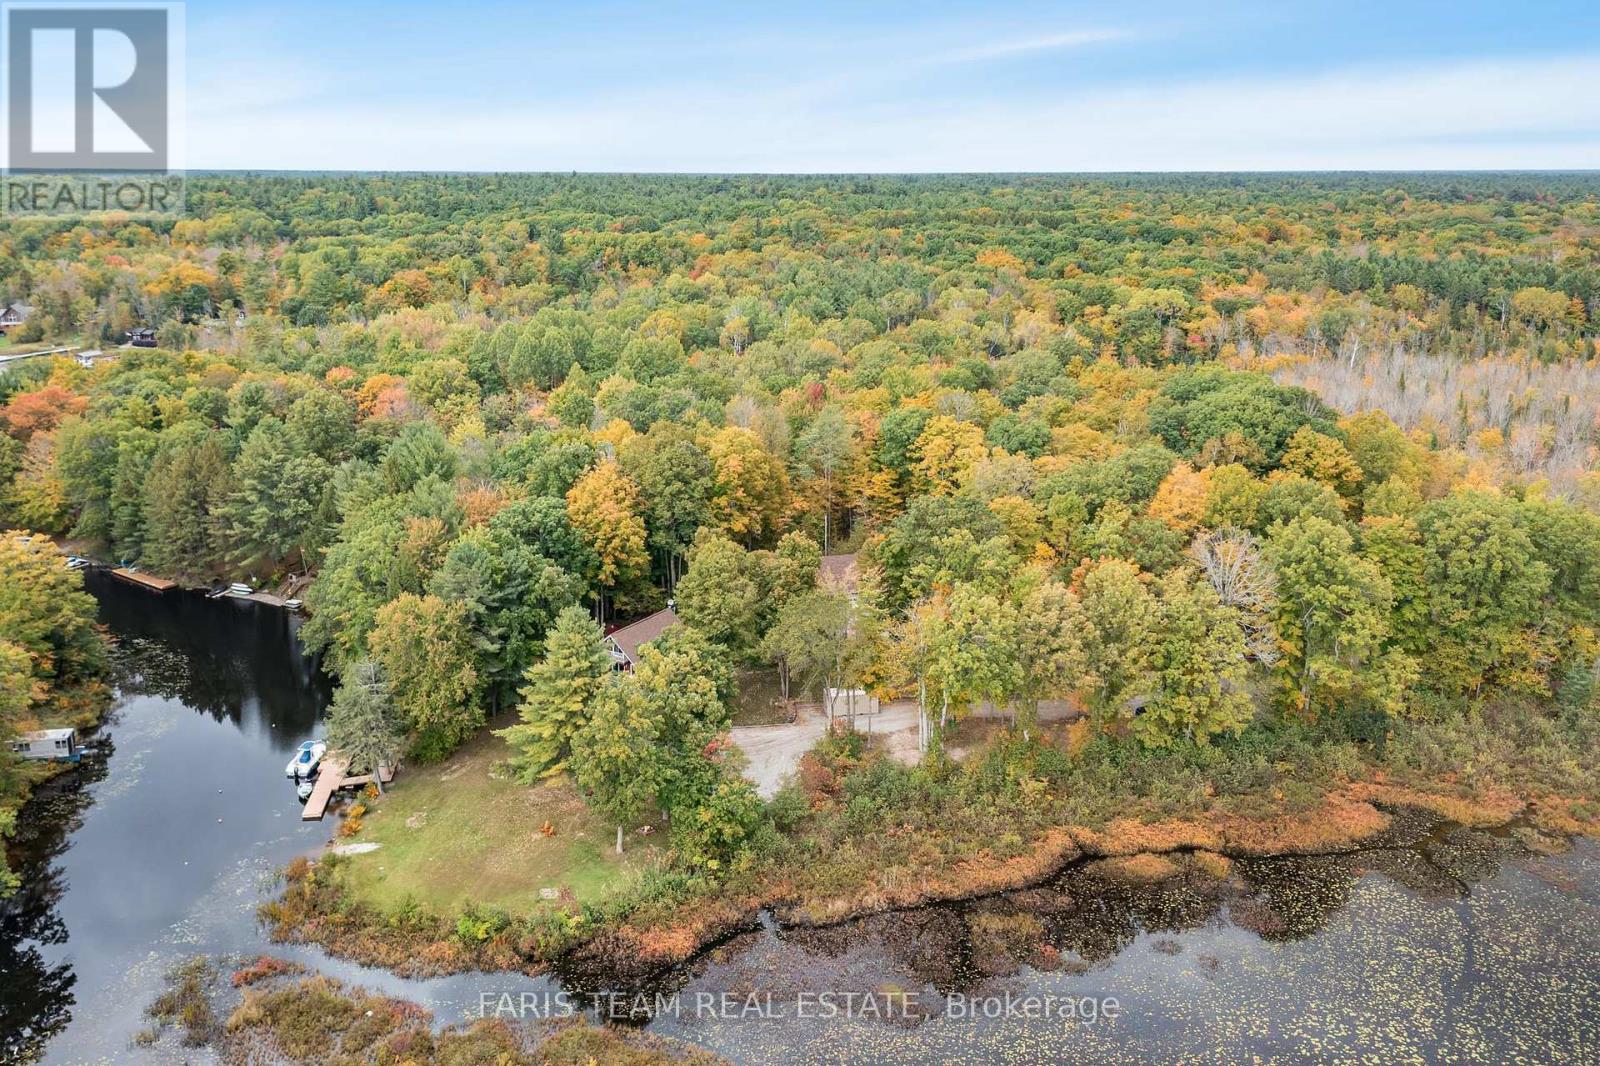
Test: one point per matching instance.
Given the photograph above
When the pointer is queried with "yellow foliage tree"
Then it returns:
(751, 486)
(1325, 459)
(945, 453)
(1181, 500)
(604, 507)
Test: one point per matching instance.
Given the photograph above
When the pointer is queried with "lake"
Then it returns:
(1440, 943)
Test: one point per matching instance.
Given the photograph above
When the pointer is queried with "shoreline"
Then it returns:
(1349, 818)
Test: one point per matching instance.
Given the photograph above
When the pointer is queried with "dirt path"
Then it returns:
(774, 750)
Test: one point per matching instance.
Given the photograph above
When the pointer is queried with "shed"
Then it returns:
(54, 744)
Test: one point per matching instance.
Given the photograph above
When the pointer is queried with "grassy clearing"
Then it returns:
(457, 834)
(859, 832)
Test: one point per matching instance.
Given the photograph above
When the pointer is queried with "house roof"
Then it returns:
(47, 734)
(838, 570)
(22, 310)
(630, 638)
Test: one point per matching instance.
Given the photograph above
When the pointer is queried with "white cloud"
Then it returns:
(1525, 113)
(1048, 42)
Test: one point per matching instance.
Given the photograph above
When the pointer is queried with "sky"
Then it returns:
(893, 87)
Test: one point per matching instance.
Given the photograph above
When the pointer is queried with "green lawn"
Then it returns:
(452, 834)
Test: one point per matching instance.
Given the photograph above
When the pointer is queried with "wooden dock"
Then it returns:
(149, 581)
(330, 779)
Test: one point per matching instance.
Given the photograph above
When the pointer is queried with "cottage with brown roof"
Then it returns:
(624, 643)
(13, 315)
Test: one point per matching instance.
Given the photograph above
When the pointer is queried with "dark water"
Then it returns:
(1443, 944)
(1447, 946)
(160, 846)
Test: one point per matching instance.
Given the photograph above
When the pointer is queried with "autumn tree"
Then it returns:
(750, 487)
(1485, 585)
(677, 480)
(425, 648)
(719, 594)
(1200, 669)
(1180, 502)
(806, 640)
(826, 448)
(45, 613)
(1119, 619)
(604, 508)
(1323, 458)
(945, 453)
(616, 756)
(40, 410)
(1230, 560)
(1332, 619)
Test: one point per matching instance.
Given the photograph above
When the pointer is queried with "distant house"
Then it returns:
(13, 315)
(143, 337)
(54, 744)
(624, 643)
(835, 571)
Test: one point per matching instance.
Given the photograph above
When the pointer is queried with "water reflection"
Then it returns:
(159, 844)
(235, 660)
(36, 995)
(1439, 943)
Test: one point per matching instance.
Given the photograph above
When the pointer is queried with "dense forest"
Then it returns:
(1218, 459)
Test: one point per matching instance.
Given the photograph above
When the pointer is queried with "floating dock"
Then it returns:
(330, 779)
(133, 577)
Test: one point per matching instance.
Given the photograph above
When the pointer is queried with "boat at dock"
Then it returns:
(306, 760)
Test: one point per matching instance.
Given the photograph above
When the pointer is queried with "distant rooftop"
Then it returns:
(630, 638)
(838, 570)
(46, 734)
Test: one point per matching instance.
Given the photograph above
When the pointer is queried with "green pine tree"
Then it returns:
(556, 697)
(363, 723)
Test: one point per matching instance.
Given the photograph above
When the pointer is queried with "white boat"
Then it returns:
(303, 789)
(305, 761)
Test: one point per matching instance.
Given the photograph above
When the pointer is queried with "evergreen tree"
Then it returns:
(364, 725)
(185, 533)
(557, 694)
